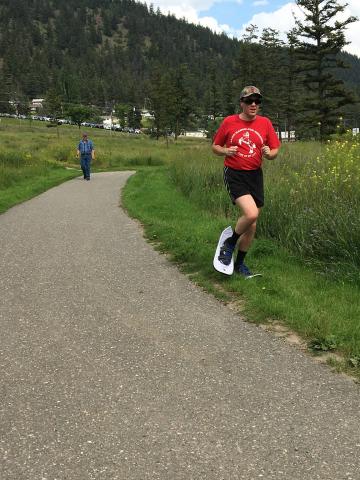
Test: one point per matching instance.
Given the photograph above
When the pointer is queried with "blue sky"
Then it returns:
(232, 16)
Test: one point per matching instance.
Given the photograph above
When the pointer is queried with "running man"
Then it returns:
(244, 140)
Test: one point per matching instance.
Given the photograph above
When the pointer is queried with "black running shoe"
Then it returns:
(243, 270)
(226, 253)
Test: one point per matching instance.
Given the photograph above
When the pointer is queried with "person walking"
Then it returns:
(86, 152)
(244, 140)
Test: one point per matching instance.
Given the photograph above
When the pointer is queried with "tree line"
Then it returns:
(123, 55)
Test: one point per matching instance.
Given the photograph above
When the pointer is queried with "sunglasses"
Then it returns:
(251, 100)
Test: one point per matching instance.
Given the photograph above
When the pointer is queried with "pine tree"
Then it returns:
(291, 82)
(53, 104)
(121, 110)
(213, 94)
(160, 96)
(182, 101)
(248, 63)
(134, 118)
(319, 39)
(271, 75)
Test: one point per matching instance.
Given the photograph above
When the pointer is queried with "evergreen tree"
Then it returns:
(53, 104)
(271, 77)
(181, 102)
(292, 79)
(319, 39)
(23, 105)
(6, 94)
(121, 110)
(134, 118)
(214, 104)
(160, 94)
(103, 51)
(248, 62)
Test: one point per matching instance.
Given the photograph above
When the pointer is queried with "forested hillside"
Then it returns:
(103, 52)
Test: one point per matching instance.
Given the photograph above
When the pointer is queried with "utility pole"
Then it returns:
(111, 116)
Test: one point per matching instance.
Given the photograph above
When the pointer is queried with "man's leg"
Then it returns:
(246, 224)
(82, 165)
(87, 168)
(246, 228)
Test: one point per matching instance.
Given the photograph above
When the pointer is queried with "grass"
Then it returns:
(32, 182)
(34, 157)
(312, 200)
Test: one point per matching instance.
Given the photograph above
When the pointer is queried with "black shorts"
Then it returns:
(245, 182)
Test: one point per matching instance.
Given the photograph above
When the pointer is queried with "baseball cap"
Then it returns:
(250, 90)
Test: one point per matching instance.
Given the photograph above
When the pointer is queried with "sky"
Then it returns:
(233, 16)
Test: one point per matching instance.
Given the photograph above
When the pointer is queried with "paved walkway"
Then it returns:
(114, 366)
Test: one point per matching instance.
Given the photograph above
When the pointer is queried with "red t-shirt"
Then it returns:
(249, 137)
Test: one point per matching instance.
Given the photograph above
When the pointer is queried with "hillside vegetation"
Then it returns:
(103, 52)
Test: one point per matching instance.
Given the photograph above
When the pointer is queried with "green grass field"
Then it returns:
(34, 157)
(308, 239)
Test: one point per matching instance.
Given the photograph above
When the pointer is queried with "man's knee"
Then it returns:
(251, 216)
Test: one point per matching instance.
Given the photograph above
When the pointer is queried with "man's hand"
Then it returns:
(269, 153)
(230, 151)
(227, 151)
(265, 150)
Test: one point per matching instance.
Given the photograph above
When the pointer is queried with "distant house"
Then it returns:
(146, 114)
(36, 104)
(285, 136)
(111, 123)
(195, 134)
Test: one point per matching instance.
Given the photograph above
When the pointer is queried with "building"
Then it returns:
(36, 104)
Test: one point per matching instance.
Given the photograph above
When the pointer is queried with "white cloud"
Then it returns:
(260, 3)
(352, 32)
(189, 9)
(283, 21)
(213, 24)
(182, 8)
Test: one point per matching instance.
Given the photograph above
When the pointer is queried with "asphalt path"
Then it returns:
(115, 366)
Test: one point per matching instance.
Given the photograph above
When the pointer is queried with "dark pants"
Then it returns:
(85, 161)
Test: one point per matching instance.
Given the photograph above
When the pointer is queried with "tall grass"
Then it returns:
(21, 143)
(312, 199)
(315, 205)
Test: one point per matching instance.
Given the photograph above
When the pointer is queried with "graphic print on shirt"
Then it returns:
(246, 139)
